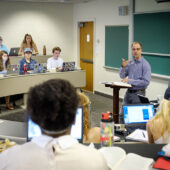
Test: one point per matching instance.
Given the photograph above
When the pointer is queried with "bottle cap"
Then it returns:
(107, 117)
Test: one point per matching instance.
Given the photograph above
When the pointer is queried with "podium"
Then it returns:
(116, 86)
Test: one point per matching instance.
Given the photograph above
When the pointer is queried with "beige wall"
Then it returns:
(103, 13)
(50, 24)
(106, 13)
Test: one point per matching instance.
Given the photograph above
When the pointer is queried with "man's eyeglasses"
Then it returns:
(136, 49)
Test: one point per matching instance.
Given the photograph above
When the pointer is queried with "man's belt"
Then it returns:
(134, 91)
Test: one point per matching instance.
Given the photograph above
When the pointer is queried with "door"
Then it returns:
(86, 52)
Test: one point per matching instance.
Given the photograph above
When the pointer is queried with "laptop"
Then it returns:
(13, 69)
(143, 99)
(33, 130)
(136, 116)
(68, 66)
(14, 51)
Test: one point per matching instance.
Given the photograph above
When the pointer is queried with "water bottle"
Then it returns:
(25, 68)
(107, 129)
(44, 50)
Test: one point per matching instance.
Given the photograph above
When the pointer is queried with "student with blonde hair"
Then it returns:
(89, 134)
(158, 128)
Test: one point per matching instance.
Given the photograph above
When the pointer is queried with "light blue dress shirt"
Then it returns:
(139, 73)
(4, 48)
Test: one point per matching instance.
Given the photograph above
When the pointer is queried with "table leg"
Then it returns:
(25, 101)
(116, 104)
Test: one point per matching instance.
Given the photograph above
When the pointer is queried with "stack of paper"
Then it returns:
(116, 83)
(138, 135)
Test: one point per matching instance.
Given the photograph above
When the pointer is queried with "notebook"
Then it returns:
(14, 51)
(33, 130)
(117, 159)
(136, 116)
(138, 135)
(68, 66)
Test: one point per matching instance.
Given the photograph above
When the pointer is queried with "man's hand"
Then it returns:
(124, 62)
(125, 80)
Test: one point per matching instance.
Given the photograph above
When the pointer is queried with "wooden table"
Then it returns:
(20, 84)
(116, 89)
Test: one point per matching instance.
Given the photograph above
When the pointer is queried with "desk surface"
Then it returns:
(18, 84)
(17, 131)
(13, 130)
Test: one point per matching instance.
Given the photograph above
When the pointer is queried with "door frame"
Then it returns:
(94, 46)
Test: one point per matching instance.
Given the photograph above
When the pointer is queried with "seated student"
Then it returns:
(3, 47)
(28, 43)
(27, 60)
(158, 128)
(89, 134)
(52, 105)
(55, 61)
(4, 63)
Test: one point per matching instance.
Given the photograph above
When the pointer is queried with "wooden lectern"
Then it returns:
(116, 87)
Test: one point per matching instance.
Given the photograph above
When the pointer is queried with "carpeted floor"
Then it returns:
(99, 104)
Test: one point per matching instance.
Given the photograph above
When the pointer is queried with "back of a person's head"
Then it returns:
(165, 105)
(53, 104)
(167, 94)
(165, 108)
(163, 116)
(84, 100)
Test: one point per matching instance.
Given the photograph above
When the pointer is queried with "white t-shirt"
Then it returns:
(47, 153)
(54, 63)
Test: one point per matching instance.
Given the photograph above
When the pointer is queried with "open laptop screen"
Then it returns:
(137, 113)
(69, 66)
(14, 51)
(33, 130)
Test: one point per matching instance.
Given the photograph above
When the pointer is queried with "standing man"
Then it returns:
(55, 61)
(3, 47)
(136, 72)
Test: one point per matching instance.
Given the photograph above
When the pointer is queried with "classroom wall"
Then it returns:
(103, 13)
(152, 6)
(50, 24)
(106, 13)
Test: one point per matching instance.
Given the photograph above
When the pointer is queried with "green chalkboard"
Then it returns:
(159, 64)
(116, 45)
(153, 31)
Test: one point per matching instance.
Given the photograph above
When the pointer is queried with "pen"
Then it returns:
(143, 134)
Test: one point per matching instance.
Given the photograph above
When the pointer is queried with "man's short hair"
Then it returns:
(53, 104)
(136, 42)
(56, 49)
